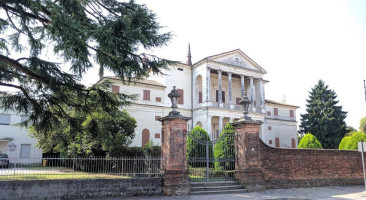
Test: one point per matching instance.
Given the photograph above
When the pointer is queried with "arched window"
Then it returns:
(293, 143)
(145, 136)
(199, 124)
(277, 142)
(198, 90)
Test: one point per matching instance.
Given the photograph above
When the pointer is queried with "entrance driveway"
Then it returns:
(318, 193)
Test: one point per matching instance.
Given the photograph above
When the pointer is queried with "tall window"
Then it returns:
(291, 113)
(146, 95)
(277, 142)
(181, 98)
(275, 111)
(199, 97)
(5, 119)
(145, 137)
(222, 94)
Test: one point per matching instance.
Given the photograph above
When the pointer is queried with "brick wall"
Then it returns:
(288, 168)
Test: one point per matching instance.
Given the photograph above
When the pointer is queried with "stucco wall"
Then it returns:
(80, 189)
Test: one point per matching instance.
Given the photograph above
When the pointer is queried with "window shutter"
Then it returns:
(5, 119)
(275, 111)
(268, 112)
(146, 95)
(223, 96)
(217, 96)
(291, 113)
(158, 99)
(145, 137)
(115, 89)
(277, 142)
(181, 98)
(199, 97)
(255, 103)
(293, 143)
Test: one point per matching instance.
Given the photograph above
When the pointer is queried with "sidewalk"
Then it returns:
(319, 193)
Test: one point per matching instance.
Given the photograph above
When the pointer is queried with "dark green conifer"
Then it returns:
(324, 118)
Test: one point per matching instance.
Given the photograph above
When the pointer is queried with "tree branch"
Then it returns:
(33, 16)
(34, 103)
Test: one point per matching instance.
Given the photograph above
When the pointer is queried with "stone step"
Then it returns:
(219, 192)
(216, 183)
(217, 188)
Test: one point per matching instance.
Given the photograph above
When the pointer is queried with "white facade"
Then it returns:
(229, 74)
(14, 140)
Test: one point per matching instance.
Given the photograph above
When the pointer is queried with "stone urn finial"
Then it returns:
(174, 96)
(245, 101)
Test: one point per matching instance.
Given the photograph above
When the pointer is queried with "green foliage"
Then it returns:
(323, 117)
(195, 149)
(350, 130)
(225, 149)
(101, 134)
(344, 141)
(362, 127)
(309, 141)
(46, 48)
(352, 143)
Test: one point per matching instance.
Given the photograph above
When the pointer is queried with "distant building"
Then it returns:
(210, 93)
(14, 140)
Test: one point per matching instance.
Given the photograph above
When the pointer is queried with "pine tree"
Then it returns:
(324, 118)
(47, 46)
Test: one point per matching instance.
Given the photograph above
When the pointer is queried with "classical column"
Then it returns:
(261, 92)
(251, 92)
(220, 85)
(209, 125)
(220, 123)
(242, 85)
(208, 78)
(231, 119)
(230, 88)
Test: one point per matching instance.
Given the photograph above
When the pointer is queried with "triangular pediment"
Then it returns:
(237, 58)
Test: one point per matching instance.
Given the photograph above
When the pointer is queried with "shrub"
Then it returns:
(354, 139)
(225, 149)
(195, 149)
(309, 141)
(344, 141)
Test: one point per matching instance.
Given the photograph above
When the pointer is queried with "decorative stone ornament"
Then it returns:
(245, 101)
(174, 96)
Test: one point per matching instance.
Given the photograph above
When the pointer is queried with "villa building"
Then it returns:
(210, 93)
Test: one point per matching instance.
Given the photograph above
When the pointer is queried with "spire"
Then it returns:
(189, 57)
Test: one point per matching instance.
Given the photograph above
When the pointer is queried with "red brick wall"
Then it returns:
(286, 168)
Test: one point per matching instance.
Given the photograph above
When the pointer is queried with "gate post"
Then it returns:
(247, 166)
(174, 150)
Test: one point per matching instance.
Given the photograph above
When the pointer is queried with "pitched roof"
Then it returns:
(280, 103)
(209, 58)
(142, 81)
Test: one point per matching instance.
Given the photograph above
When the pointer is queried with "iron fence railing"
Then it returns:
(81, 168)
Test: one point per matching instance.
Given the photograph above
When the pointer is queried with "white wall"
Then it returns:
(18, 136)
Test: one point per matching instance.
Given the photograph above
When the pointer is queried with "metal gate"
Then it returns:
(210, 160)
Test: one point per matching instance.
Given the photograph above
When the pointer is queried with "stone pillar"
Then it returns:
(242, 85)
(231, 120)
(247, 170)
(208, 80)
(230, 88)
(174, 151)
(221, 118)
(252, 93)
(220, 85)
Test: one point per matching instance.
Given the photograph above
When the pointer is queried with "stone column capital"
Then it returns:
(219, 71)
(230, 73)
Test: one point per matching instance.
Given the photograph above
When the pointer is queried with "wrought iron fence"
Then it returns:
(81, 168)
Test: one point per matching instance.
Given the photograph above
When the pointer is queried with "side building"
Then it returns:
(210, 93)
(14, 140)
